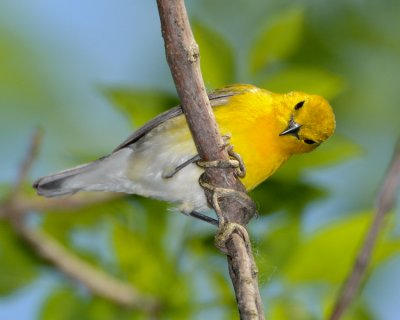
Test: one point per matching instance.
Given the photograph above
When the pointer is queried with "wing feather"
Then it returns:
(217, 98)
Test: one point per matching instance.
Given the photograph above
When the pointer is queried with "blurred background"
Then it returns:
(90, 72)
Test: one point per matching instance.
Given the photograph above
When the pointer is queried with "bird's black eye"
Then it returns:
(299, 105)
(309, 141)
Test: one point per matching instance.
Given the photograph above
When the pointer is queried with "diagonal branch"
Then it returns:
(385, 203)
(26, 165)
(223, 190)
(95, 280)
(75, 202)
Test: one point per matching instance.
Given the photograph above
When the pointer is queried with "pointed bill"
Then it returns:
(292, 129)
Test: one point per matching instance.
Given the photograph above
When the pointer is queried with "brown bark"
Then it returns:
(235, 208)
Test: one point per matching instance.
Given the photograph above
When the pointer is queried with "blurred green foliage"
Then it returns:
(140, 105)
(65, 303)
(18, 266)
(271, 46)
(166, 255)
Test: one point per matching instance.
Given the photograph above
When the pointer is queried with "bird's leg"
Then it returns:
(235, 162)
(231, 163)
(218, 192)
(203, 217)
(169, 173)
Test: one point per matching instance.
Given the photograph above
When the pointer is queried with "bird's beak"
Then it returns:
(292, 129)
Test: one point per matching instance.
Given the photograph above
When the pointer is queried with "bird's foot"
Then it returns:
(235, 161)
(224, 233)
(225, 227)
(218, 192)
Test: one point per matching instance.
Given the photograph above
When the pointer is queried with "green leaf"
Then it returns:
(201, 244)
(143, 266)
(279, 40)
(335, 150)
(151, 222)
(63, 304)
(329, 254)
(140, 105)
(101, 309)
(217, 62)
(18, 266)
(221, 286)
(148, 268)
(67, 303)
(145, 217)
(277, 245)
(307, 79)
(283, 309)
(275, 195)
(21, 67)
(60, 223)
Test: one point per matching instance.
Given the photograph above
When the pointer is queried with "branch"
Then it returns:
(26, 165)
(385, 202)
(95, 280)
(75, 202)
(224, 192)
(183, 59)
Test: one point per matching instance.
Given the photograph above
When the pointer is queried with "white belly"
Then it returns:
(157, 154)
(139, 169)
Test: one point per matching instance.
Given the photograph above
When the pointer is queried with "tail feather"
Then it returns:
(56, 185)
(105, 174)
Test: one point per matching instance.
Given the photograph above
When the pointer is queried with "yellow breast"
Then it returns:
(255, 118)
(251, 121)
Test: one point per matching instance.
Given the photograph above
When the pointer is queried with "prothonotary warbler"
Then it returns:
(159, 159)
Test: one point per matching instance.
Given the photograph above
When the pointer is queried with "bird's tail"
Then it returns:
(100, 175)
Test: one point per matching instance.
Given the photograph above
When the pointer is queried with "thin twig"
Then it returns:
(385, 202)
(75, 202)
(183, 58)
(29, 159)
(99, 282)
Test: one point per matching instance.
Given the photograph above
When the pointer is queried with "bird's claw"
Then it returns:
(224, 233)
(235, 161)
(225, 228)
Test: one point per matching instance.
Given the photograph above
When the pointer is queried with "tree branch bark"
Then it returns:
(234, 211)
(385, 202)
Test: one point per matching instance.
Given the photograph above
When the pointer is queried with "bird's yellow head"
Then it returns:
(307, 121)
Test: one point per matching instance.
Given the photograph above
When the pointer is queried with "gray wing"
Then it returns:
(216, 99)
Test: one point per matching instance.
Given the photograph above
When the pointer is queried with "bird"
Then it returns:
(159, 160)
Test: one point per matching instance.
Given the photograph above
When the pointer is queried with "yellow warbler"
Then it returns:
(159, 159)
